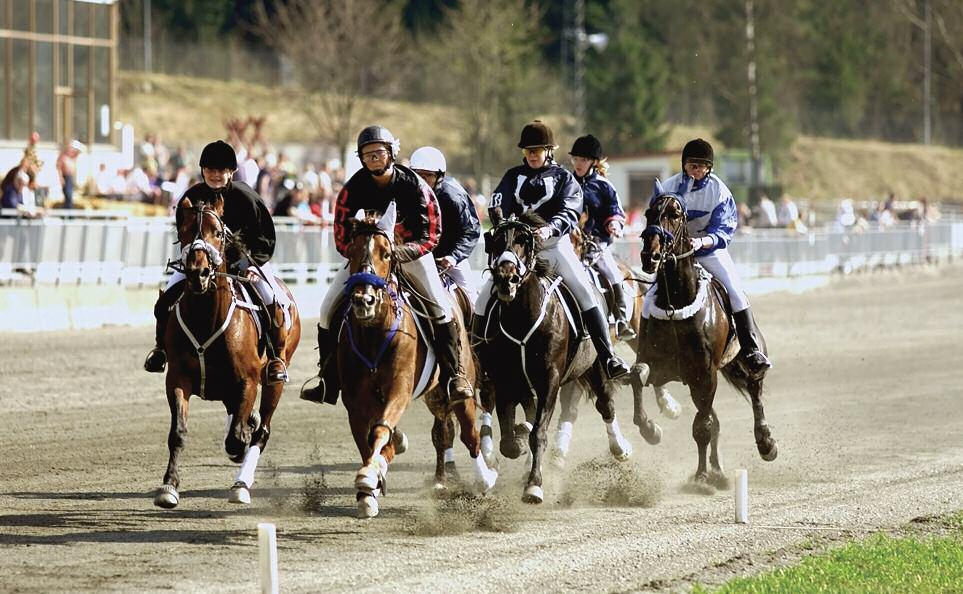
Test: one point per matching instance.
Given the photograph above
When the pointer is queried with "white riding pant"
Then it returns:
(423, 275)
(461, 275)
(559, 252)
(720, 264)
(607, 265)
(267, 289)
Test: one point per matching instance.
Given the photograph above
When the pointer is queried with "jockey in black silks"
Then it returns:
(539, 184)
(459, 221)
(250, 222)
(606, 220)
(377, 184)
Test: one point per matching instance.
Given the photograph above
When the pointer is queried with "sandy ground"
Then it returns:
(865, 401)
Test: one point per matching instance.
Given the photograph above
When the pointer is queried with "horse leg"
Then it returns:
(668, 406)
(259, 423)
(509, 446)
(371, 479)
(439, 440)
(569, 398)
(702, 397)
(177, 398)
(764, 441)
(717, 476)
(484, 477)
(538, 437)
(604, 391)
(487, 395)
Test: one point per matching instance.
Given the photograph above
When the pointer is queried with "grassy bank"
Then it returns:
(921, 561)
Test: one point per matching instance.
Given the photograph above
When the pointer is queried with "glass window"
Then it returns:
(63, 15)
(3, 21)
(20, 96)
(102, 20)
(81, 85)
(44, 91)
(101, 90)
(21, 15)
(81, 62)
(44, 16)
(3, 84)
(64, 65)
(81, 19)
(80, 130)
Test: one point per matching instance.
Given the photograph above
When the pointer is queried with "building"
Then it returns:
(58, 64)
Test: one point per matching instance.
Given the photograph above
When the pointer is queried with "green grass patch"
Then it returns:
(878, 564)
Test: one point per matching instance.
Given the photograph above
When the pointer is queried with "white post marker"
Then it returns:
(742, 496)
(268, 557)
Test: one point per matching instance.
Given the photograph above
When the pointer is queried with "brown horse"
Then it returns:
(212, 346)
(589, 252)
(689, 336)
(384, 364)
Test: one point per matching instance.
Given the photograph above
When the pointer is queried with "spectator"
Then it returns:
(17, 194)
(788, 211)
(766, 216)
(67, 169)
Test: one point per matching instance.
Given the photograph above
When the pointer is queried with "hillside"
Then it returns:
(193, 110)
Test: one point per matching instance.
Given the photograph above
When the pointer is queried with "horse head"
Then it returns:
(370, 261)
(513, 248)
(201, 232)
(665, 238)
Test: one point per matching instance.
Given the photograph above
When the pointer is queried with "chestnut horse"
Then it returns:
(383, 361)
(212, 346)
(530, 347)
(689, 336)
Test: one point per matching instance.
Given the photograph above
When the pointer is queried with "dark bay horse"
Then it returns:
(212, 346)
(382, 363)
(589, 251)
(689, 336)
(530, 348)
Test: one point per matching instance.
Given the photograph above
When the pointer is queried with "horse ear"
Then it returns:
(387, 221)
(218, 204)
(657, 190)
(360, 214)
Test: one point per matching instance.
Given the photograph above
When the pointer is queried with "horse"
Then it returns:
(589, 251)
(536, 347)
(385, 365)
(690, 337)
(212, 346)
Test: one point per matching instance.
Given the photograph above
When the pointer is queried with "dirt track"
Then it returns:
(865, 401)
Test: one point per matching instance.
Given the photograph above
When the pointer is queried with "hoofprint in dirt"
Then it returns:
(865, 395)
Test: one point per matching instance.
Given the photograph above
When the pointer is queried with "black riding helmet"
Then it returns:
(537, 134)
(697, 150)
(587, 146)
(219, 155)
(378, 134)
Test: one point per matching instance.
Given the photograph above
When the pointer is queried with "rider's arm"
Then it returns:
(504, 196)
(430, 226)
(342, 212)
(570, 197)
(723, 220)
(613, 210)
(469, 227)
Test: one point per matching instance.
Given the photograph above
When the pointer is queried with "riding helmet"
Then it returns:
(379, 134)
(537, 134)
(587, 146)
(697, 150)
(219, 155)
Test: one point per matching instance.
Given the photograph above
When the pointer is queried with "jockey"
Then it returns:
(459, 221)
(540, 184)
(378, 183)
(712, 220)
(247, 217)
(605, 220)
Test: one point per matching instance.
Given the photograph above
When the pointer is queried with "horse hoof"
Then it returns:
(367, 506)
(669, 406)
(401, 443)
(485, 477)
(651, 433)
(366, 482)
(620, 450)
(239, 494)
(166, 497)
(771, 454)
(533, 494)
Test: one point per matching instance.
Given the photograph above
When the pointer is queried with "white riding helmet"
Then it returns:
(428, 158)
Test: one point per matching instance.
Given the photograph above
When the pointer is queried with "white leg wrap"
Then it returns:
(613, 427)
(563, 438)
(227, 424)
(449, 455)
(245, 473)
(486, 419)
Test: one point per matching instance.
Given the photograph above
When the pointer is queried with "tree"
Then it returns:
(344, 53)
(626, 82)
(490, 52)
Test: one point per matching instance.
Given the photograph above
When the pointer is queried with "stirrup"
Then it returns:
(467, 393)
(616, 368)
(624, 330)
(758, 363)
(315, 394)
(156, 360)
(279, 376)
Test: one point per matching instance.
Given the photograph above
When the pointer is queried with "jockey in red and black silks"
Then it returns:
(377, 184)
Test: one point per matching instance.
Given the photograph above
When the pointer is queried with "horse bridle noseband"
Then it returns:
(667, 236)
(526, 267)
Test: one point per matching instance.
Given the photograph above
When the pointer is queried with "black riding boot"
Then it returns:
(622, 328)
(276, 371)
(598, 328)
(448, 350)
(157, 357)
(329, 387)
(755, 359)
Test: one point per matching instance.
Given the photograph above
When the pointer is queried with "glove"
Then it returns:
(699, 243)
(444, 263)
(614, 228)
(546, 232)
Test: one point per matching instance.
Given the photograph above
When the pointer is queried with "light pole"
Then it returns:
(753, 101)
(581, 42)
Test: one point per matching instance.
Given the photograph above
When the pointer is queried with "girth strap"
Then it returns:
(201, 348)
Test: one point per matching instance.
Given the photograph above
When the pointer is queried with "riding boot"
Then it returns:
(622, 328)
(448, 350)
(598, 329)
(157, 358)
(329, 387)
(755, 359)
(276, 371)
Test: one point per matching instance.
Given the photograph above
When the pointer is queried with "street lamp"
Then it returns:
(583, 41)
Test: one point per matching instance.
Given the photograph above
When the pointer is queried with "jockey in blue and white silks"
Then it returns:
(539, 184)
(711, 221)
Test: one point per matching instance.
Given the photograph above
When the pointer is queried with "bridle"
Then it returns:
(214, 254)
(509, 228)
(672, 242)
